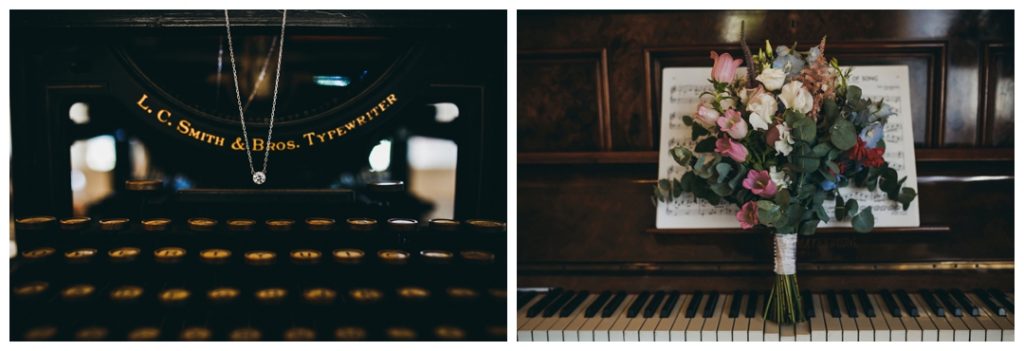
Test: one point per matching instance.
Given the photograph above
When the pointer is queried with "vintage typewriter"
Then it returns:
(593, 267)
(186, 247)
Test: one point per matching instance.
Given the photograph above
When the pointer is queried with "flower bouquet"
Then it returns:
(778, 142)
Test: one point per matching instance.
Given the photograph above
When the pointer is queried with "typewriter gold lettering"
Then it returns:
(125, 293)
(142, 103)
(314, 137)
(350, 333)
(185, 128)
(30, 289)
(41, 252)
(163, 116)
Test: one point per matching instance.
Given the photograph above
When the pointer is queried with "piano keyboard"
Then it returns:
(847, 315)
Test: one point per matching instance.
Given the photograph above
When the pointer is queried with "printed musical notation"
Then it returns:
(682, 87)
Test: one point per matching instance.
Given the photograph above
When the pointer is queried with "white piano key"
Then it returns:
(977, 331)
(650, 326)
(757, 324)
(557, 330)
(521, 314)
(725, 323)
(833, 326)
(993, 328)
(618, 330)
(603, 330)
(679, 326)
(851, 329)
(664, 329)
(944, 332)
(787, 332)
(817, 324)
(710, 330)
(878, 322)
(571, 332)
(693, 329)
(897, 331)
(741, 326)
(527, 324)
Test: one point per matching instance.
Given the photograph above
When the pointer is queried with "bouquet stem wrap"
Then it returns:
(784, 305)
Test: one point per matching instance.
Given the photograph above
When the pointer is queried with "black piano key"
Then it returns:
(523, 297)
(932, 303)
(597, 304)
(558, 303)
(751, 305)
(691, 309)
(734, 308)
(709, 308)
(573, 304)
(890, 303)
(807, 300)
(851, 308)
(833, 303)
(652, 307)
(865, 303)
(543, 303)
(1002, 299)
(670, 304)
(907, 303)
(948, 302)
(968, 306)
(613, 305)
(638, 304)
(987, 300)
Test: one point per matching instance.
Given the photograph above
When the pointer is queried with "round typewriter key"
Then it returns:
(319, 224)
(39, 253)
(447, 332)
(348, 255)
(126, 293)
(361, 224)
(30, 289)
(215, 255)
(444, 225)
(113, 224)
(260, 257)
(400, 333)
(35, 223)
(319, 295)
(245, 334)
(413, 293)
(174, 296)
(402, 224)
(497, 331)
(81, 255)
(485, 226)
(77, 292)
(195, 334)
(144, 334)
(305, 256)
(75, 223)
(271, 295)
(155, 224)
(365, 295)
(91, 333)
(350, 333)
(223, 294)
(142, 185)
(477, 256)
(500, 294)
(386, 186)
(41, 333)
(462, 293)
(241, 224)
(170, 254)
(436, 256)
(299, 334)
(393, 256)
(280, 225)
(124, 254)
(201, 224)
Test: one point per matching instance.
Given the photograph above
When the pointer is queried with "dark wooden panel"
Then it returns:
(997, 113)
(561, 100)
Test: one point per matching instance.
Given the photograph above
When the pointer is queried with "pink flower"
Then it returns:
(760, 183)
(733, 124)
(747, 216)
(707, 116)
(728, 147)
(725, 67)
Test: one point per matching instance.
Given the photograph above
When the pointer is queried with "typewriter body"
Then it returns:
(335, 245)
(592, 265)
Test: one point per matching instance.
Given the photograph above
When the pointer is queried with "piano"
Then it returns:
(592, 266)
(134, 218)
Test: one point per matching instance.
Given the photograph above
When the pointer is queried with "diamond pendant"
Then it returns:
(259, 178)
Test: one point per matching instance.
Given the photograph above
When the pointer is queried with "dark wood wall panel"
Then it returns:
(562, 101)
(997, 76)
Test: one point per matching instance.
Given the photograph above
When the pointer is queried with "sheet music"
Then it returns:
(681, 87)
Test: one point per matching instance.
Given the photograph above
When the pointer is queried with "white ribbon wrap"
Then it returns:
(785, 254)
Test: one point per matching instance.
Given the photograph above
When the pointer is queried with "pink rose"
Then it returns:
(747, 216)
(707, 116)
(760, 183)
(725, 67)
(729, 148)
(733, 124)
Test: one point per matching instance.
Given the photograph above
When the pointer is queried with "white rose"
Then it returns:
(785, 143)
(772, 78)
(796, 97)
(778, 177)
(762, 108)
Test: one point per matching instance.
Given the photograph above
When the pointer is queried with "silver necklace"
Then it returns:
(258, 177)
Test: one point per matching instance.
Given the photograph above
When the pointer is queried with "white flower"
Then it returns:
(785, 143)
(744, 95)
(796, 97)
(778, 177)
(772, 78)
(727, 102)
(707, 116)
(762, 107)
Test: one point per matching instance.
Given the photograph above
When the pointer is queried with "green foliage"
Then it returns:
(906, 196)
(804, 128)
(843, 135)
(697, 131)
(681, 155)
(706, 145)
(864, 221)
(768, 213)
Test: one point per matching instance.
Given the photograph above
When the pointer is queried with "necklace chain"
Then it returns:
(258, 177)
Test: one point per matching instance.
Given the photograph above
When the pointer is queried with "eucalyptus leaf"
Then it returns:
(768, 213)
(782, 197)
(840, 207)
(843, 135)
(853, 94)
(687, 120)
(697, 131)
(808, 227)
(681, 155)
(851, 206)
(723, 169)
(907, 195)
(706, 145)
(822, 214)
(721, 189)
(864, 221)
(821, 150)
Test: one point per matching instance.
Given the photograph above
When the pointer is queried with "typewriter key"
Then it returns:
(245, 334)
(155, 224)
(365, 295)
(348, 255)
(126, 293)
(41, 333)
(447, 332)
(142, 184)
(497, 331)
(319, 224)
(500, 294)
(402, 224)
(75, 223)
(350, 333)
(280, 225)
(30, 289)
(201, 224)
(393, 256)
(361, 224)
(39, 253)
(144, 334)
(386, 186)
(35, 223)
(400, 333)
(91, 333)
(174, 296)
(485, 226)
(123, 254)
(444, 225)
(413, 293)
(436, 256)
(319, 295)
(195, 334)
(113, 224)
(271, 295)
(77, 292)
(241, 224)
(169, 254)
(462, 293)
(305, 256)
(223, 294)
(477, 256)
(260, 257)
(215, 255)
(299, 334)
(82, 255)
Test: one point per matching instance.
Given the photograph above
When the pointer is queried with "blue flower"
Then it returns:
(812, 55)
(872, 134)
(827, 185)
(788, 61)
